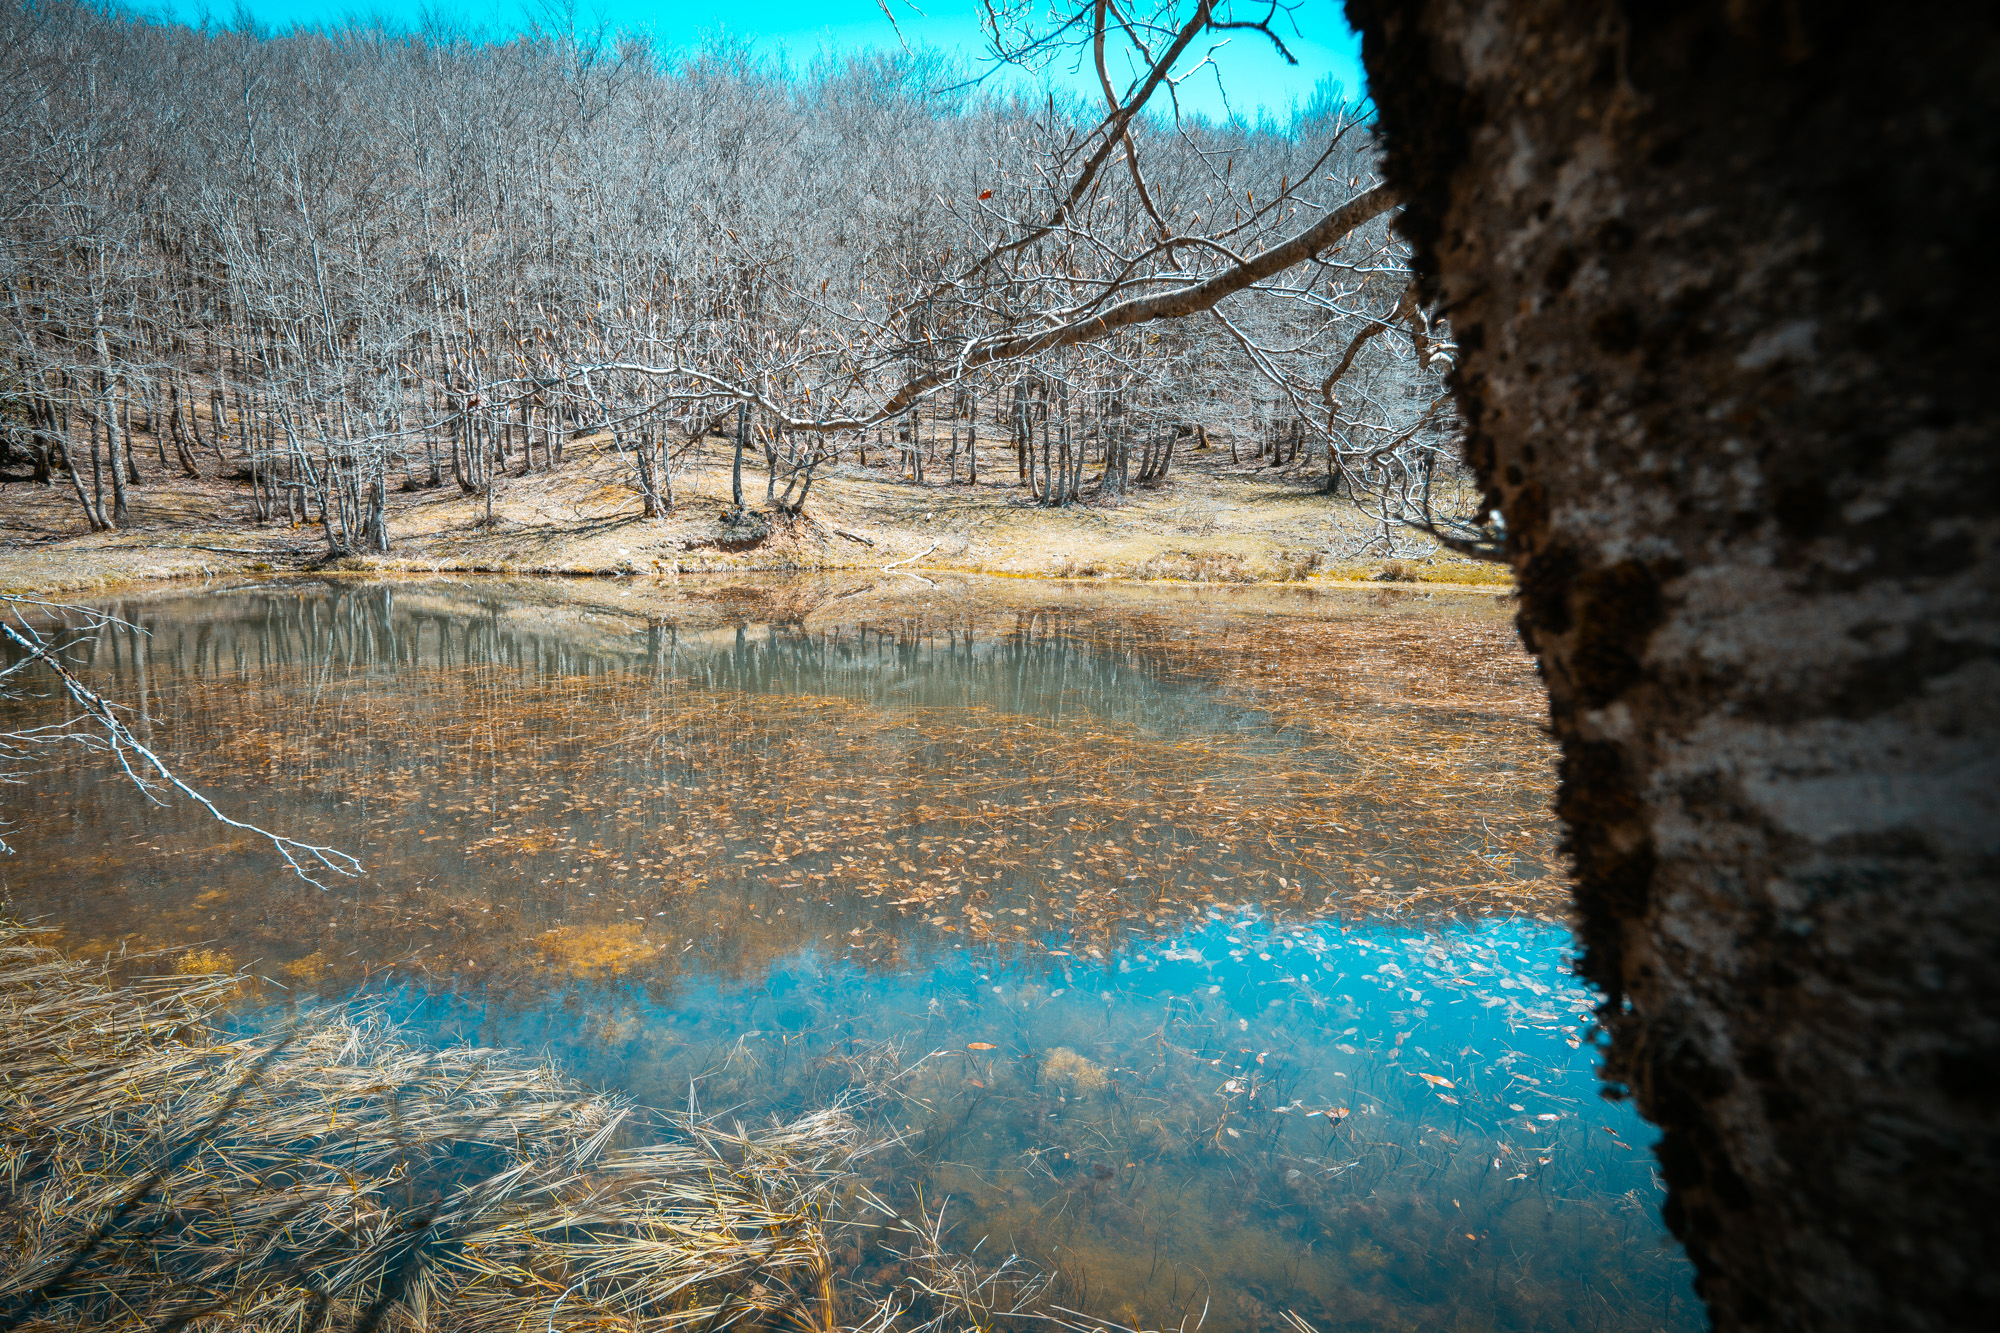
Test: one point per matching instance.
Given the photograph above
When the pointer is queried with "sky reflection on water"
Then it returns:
(1213, 997)
(1369, 1126)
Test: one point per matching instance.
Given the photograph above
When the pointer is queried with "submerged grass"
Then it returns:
(158, 1171)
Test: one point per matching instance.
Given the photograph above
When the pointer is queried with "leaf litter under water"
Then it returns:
(548, 824)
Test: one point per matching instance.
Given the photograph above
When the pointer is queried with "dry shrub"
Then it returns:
(1070, 567)
(1215, 568)
(1398, 571)
(1195, 567)
(1297, 566)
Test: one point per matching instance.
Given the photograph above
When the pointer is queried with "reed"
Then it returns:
(160, 1171)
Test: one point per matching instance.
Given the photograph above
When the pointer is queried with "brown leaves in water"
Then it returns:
(1394, 771)
(594, 950)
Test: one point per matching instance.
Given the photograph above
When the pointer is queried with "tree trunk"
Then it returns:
(465, 453)
(1117, 450)
(972, 439)
(376, 529)
(1699, 260)
(1024, 437)
(42, 437)
(736, 469)
(642, 463)
(107, 411)
(93, 510)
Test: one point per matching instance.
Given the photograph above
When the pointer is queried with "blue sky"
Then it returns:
(1253, 77)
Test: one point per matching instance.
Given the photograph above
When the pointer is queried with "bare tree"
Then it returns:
(385, 257)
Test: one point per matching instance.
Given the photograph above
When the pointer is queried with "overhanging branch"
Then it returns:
(1178, 303)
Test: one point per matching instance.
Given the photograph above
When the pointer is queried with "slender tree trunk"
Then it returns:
(1024, 438)
(1699, 260)
(93, 511)
(42, 435)
(377, 528)
(218, 427)
(487, 462)
(193, 419)
(124, 404)
(97, 476)
(243, 414)
(107, 412)
(1117, 449)
(153, 428)
(642, 463)
(464, 454)
(666, 457)
(972, 442)
(736, 469)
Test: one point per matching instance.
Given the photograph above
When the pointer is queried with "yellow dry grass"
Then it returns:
(164, 1172)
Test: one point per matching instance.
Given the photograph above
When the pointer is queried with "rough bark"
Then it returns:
(1719, 281)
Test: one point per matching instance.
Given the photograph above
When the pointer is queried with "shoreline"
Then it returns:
(1214, 525)
(162, 575)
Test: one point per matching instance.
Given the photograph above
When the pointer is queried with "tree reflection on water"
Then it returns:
(1207, 956)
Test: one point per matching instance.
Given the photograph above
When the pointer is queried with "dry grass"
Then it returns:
(158, 1172)
(1214, 522)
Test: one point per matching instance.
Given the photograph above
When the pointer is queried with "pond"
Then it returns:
(1202, 947)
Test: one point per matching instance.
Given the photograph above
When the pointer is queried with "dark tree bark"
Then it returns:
(1720, 278)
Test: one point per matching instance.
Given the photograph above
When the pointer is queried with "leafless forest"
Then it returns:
(328, 265)
(319, 268)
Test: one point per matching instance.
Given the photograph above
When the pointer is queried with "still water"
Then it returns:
(1203, 949)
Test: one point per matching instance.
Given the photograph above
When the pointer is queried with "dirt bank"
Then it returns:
(1215, 521)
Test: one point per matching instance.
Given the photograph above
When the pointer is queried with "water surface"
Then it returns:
(1201, 948)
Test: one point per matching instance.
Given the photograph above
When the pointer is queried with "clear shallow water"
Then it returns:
(1219, 989)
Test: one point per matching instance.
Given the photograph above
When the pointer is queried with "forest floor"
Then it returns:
(1212, 521)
